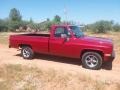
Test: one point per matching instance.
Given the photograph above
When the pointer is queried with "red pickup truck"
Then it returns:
(67, 41)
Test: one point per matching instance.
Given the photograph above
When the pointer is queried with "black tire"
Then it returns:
(27, 52)
(92, 60)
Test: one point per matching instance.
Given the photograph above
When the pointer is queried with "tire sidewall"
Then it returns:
(97, 55)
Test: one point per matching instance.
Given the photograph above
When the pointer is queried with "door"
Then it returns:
(59, 45)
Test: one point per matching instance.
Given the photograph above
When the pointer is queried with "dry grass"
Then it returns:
(4, 38)
(18, 77)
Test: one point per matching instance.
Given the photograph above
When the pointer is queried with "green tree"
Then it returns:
(48, 19)
(31, 21)
(15, 19)
(3, 25)
(57, 19)
(116, 27)
(15, 15)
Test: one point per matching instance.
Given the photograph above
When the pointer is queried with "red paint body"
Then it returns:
(58, 46)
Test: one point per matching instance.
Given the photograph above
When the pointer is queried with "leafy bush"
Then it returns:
(101, 26)
(3, 25)
(116, 27)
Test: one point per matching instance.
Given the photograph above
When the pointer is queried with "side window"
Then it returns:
(59, 31)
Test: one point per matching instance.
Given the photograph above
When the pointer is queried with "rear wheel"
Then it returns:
(27, 52)
(92, 60)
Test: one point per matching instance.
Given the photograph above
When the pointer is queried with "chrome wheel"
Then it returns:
(91, 61)
(26, 53)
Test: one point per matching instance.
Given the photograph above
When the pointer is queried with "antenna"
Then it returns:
(65, 13)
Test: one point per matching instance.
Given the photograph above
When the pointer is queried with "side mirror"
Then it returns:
(66, 38)
(63, 36)
(69, 34)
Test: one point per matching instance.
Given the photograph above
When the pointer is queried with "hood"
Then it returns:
(97, 40)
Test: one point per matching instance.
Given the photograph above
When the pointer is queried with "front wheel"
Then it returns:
(92, 60)
(27, 52)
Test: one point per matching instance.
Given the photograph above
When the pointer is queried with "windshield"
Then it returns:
(77, 31)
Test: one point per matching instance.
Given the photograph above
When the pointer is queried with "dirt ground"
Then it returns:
(12, 56)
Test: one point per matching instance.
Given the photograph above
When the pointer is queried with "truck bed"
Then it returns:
(38, 42)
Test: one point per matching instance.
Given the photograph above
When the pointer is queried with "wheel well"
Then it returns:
(24, 45)
(89, 50)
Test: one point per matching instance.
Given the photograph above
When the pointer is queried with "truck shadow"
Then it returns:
(107, 66)
(73, 61)
(58, 59)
